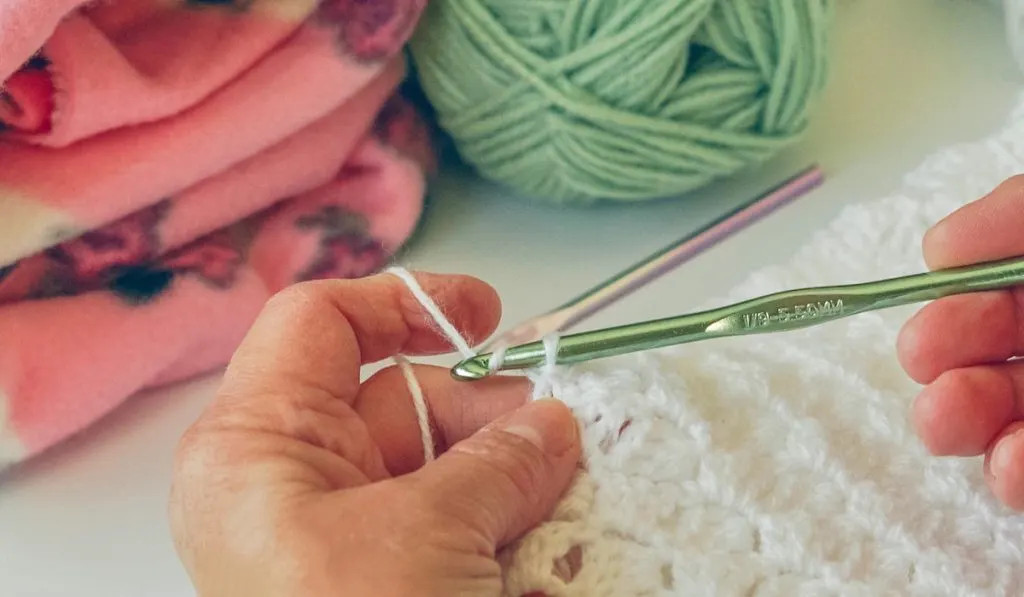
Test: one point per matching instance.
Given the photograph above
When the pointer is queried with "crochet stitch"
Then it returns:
(784, 464)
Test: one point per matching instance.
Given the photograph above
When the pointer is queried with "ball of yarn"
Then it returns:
(582, 100)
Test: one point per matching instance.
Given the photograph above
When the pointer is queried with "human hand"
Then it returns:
(299, 480)
(961, 347)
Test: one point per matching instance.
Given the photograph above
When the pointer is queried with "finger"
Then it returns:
(508, 477)
(457, 410)
(961, 331)
(293, 379)
(961, 412)
(983, 230)
(1004, 466)
(315, 335)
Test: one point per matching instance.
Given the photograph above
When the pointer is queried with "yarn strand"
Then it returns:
(428, 303)
(419, 400)
(458, 341)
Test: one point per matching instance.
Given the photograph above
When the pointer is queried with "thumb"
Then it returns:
(508, 477)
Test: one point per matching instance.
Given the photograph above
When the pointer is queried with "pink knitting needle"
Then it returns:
(661, 262)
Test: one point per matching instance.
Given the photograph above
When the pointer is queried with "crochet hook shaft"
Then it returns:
(663, 261)
(777, 312)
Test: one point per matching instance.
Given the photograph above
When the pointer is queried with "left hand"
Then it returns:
(300, 480)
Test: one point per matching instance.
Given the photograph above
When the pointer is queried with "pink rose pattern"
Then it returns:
(98, 257)
(126, 259)
(400, 126)
(215, 259)
(371, 30)
(345, 248)
(93, 256)
(35, 80)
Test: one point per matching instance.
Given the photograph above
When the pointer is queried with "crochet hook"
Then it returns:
(778, 312)
(663, 261)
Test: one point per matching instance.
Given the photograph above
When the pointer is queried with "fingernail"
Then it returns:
(1003, 453)
(545, 423)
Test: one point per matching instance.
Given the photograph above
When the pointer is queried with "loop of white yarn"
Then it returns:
(550, 352)
(544, 386)
(497, 357)
(419, 402)
(457, 340)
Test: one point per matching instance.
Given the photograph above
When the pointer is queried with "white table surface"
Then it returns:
(88, 519)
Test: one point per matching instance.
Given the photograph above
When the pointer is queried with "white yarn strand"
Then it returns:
(419, 402)
(497, 357)
(449, 330)
(550, 353)
(415, 389)
(434, 311)
(543, 385)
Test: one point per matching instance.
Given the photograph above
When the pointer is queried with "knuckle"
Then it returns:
(206, 450)
(193, 453)
(191, 486)
(188, 444)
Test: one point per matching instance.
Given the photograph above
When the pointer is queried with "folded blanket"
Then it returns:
(166, 166)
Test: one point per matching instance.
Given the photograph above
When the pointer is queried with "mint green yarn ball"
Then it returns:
(581, 100)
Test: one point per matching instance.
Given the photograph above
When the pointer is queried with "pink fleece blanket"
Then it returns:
(167, 165)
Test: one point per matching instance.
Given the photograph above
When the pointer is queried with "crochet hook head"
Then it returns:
(472, 369)
(783, 311)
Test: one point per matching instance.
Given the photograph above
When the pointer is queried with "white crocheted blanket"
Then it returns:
(783, 465)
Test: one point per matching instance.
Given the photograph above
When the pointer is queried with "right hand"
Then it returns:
(960, 347)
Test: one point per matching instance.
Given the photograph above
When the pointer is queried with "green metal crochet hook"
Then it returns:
(777, 312)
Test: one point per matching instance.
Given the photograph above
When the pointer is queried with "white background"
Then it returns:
(88, 519)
